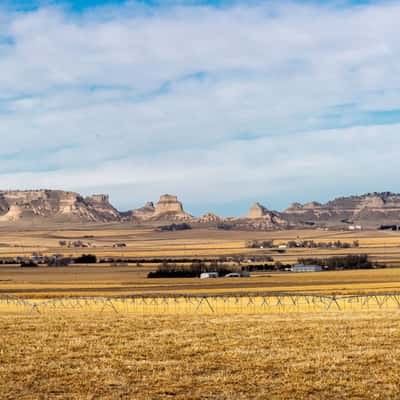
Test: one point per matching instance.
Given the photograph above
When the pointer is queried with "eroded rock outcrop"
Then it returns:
(260, 217)
(209, 218)
(102, 208)
(369, 210)
(55, 205)
(169, 204)
(145, 212)
(167, 208)
(257, 210)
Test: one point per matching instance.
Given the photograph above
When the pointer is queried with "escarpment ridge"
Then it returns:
(368, 210)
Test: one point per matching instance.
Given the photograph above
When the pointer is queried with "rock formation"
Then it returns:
(261, 218)
(55, 205)
(210, 218)
(257, 210)
(100, 203)
(145, 212)
(167, 208)
(169, 204)
(369, 210)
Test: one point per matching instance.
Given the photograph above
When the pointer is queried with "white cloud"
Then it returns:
(158, 100)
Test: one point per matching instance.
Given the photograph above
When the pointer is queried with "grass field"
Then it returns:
(99, 280)
(383, 246)
(234, 353)
(283, 356)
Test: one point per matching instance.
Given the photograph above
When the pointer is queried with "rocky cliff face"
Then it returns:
(55, 205)
(370, 210)
(257, 210)
(145, 212)
(210, 218)
(260, 218)
(101, 208)
(169, 204)
(61, 206)
(167, 208)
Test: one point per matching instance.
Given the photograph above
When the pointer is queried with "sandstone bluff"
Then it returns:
(55, 205)
(369, 210)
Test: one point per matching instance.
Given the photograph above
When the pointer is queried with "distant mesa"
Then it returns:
(260, 218)
(145, 212)
(55, 205)
(167, 208)
(169, 204)
(311, 205)
(210, 217)
(294, 207)
(370, 210)
(373, 201)
(257, 210)
(98, 198)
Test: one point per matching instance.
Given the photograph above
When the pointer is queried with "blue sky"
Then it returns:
(222, 103)
(85, 4)
(77, 5)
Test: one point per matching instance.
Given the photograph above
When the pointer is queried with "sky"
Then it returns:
(222, 103)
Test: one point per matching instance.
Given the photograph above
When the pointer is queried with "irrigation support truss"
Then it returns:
(231, 302)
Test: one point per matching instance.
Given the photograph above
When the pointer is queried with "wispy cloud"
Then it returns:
(252, 101)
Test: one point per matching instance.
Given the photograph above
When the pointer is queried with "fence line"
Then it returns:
(181, 303)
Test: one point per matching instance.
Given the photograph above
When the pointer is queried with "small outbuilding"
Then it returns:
(233, 275)
(206, 275)
(306, 268)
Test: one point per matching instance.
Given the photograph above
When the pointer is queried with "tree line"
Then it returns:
(195, 269)
(351, 261)
(311, 244)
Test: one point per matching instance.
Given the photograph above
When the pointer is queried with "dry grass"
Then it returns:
(99, 280)
(216, 305)
(145, 242)
(292, 356)
(82, 355)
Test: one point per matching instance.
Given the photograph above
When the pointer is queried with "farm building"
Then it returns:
(233, 275)
(206, 275)
(306, 268)
(119, 245)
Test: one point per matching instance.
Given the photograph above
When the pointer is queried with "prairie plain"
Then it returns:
(283, 356)
(146, 243)
(46, 282)
(79, 354)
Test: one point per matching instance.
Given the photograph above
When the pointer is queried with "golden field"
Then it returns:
(280, 356)
(155, 350)
(383, 246)
(47, 282)
(105, 279)
(216, 304)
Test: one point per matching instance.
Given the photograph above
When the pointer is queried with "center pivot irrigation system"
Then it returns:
(180, 303)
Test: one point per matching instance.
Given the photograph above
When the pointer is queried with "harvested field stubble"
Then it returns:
(40, 283)
(238, 303)
(281, 356)
(382, 246)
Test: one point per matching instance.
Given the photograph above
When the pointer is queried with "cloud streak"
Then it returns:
(252, 102)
